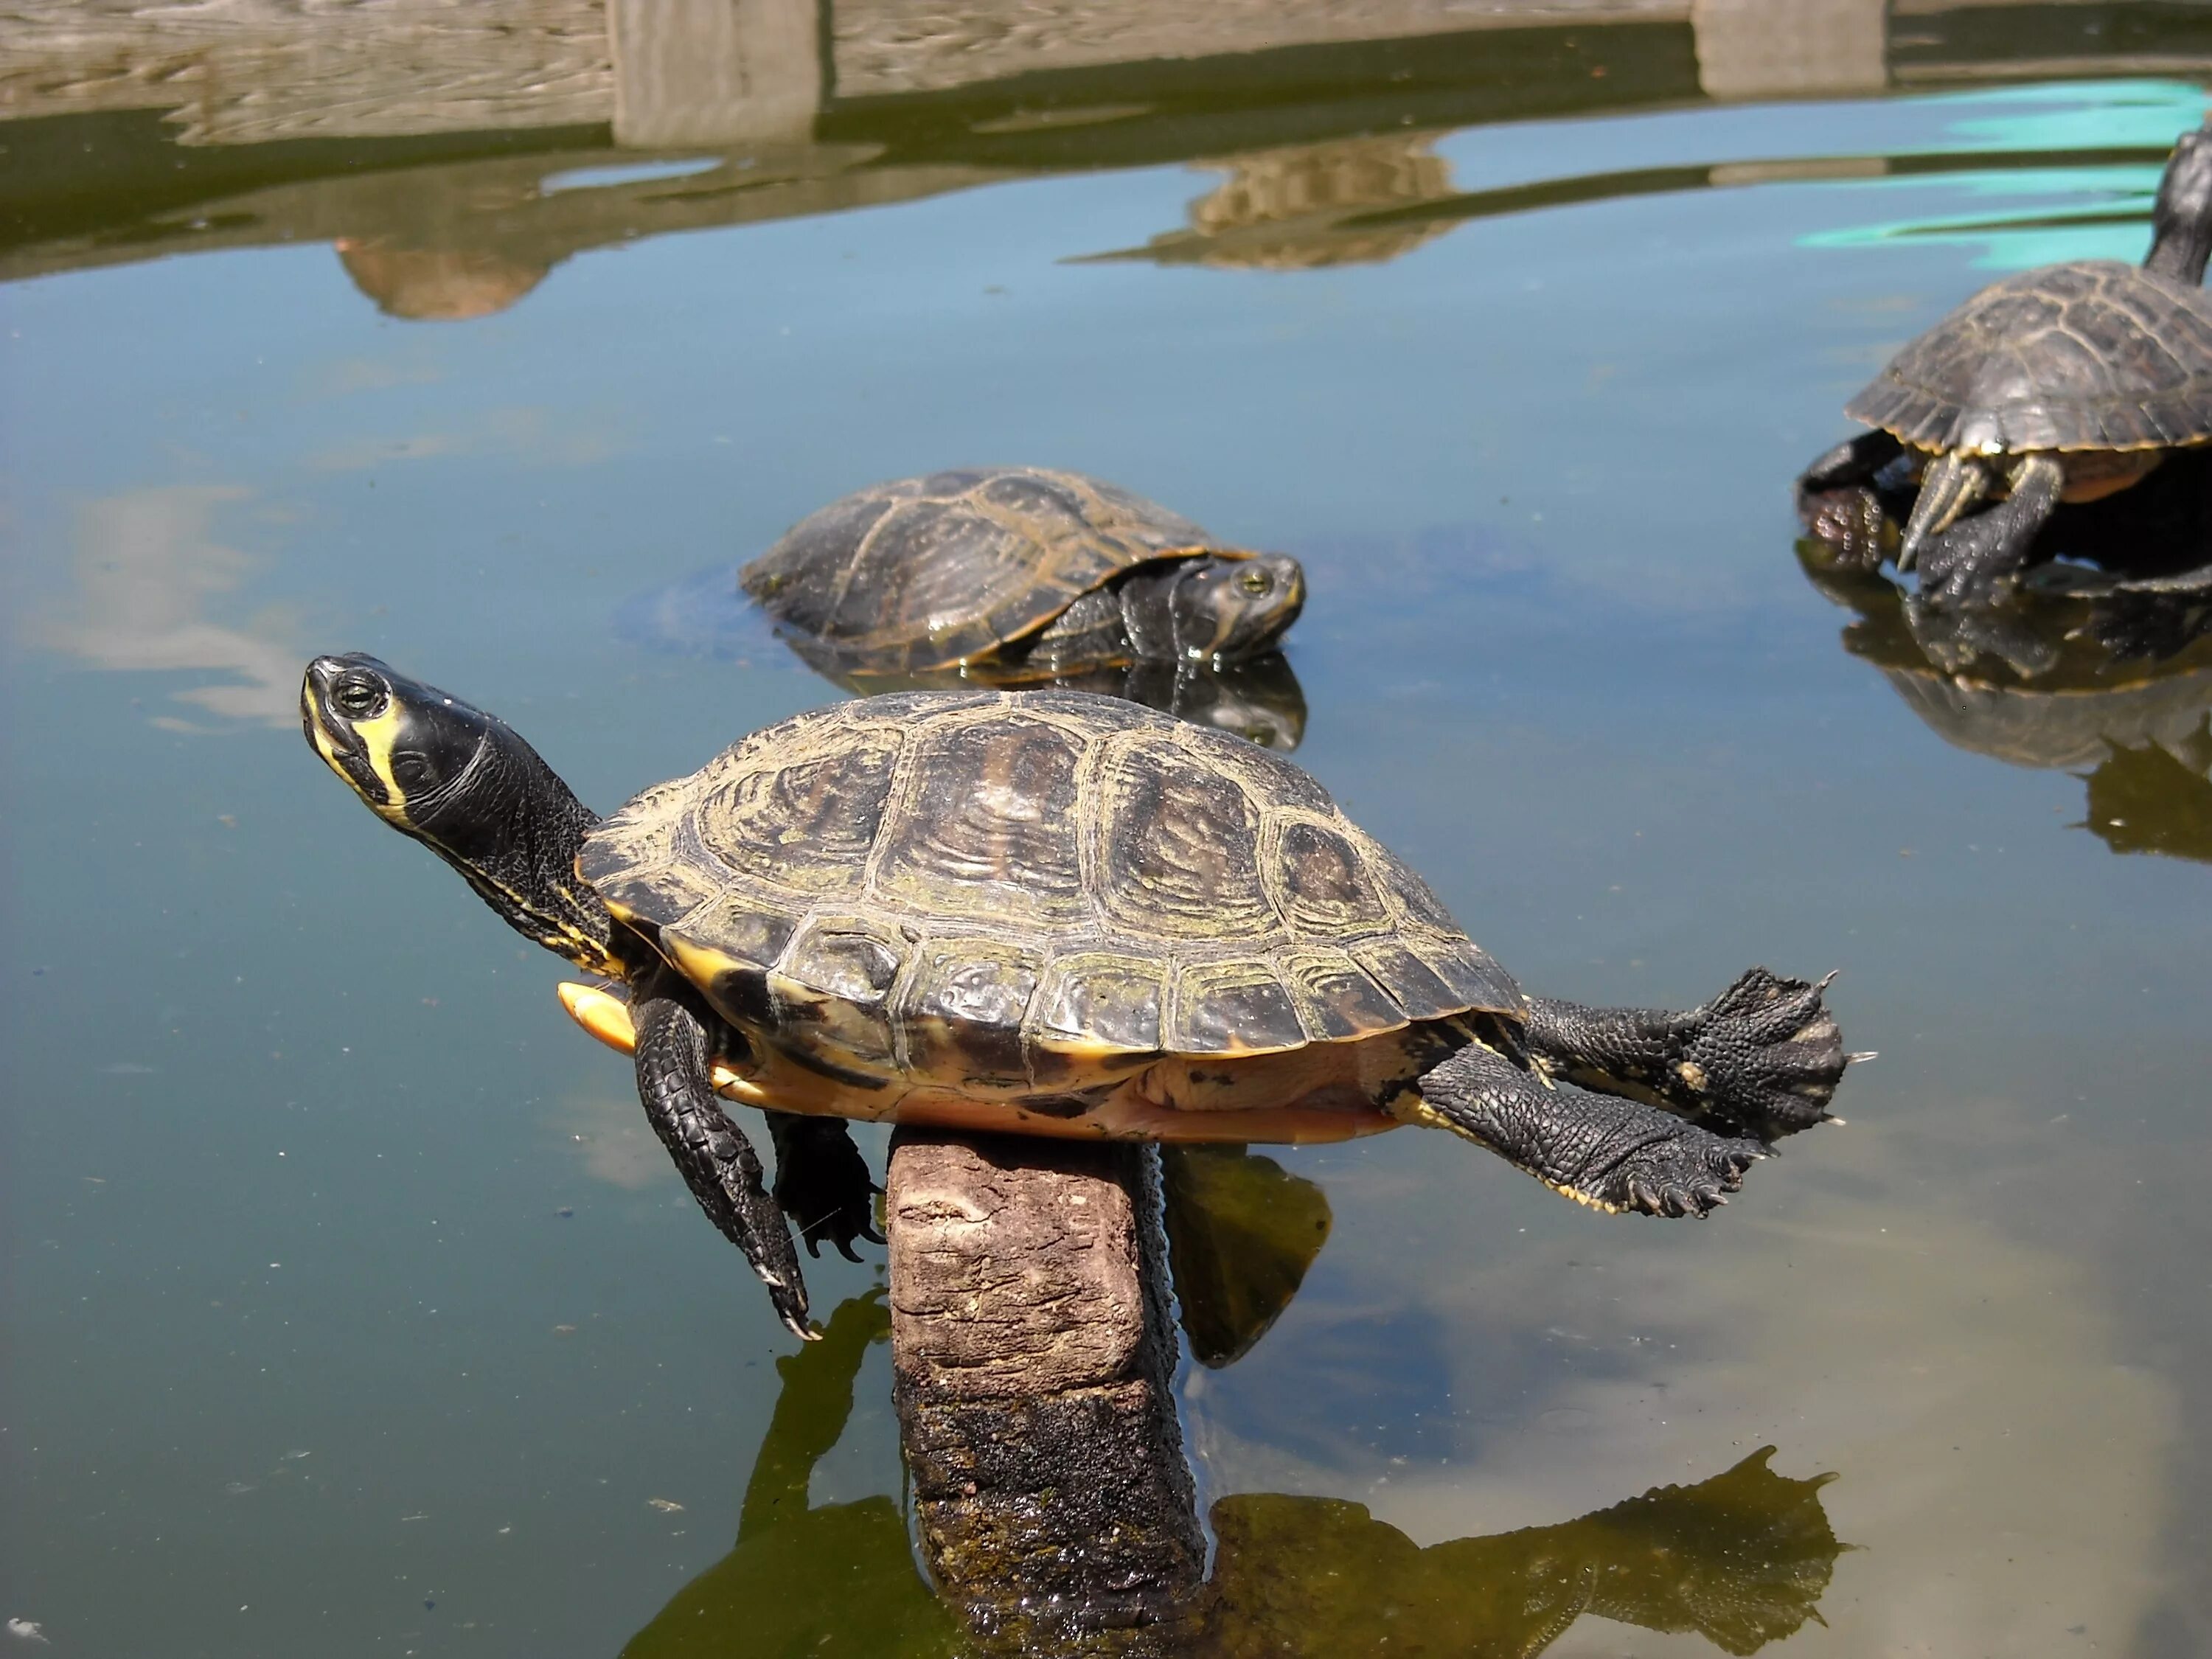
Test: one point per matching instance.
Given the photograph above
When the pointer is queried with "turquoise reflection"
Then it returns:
(2091, 212)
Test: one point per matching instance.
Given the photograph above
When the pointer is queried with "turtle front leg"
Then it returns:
(1605, 1151)
(1977, 559)
(822, 1182)
(1855, 461)
(1762, 1059)
(718, 1162)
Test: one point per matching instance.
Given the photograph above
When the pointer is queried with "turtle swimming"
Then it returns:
(2068, 382)
(1048, 913)
(1010, 574)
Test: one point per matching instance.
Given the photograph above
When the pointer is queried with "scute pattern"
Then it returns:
(2092, 354)
(1030, 892)
(922, 573)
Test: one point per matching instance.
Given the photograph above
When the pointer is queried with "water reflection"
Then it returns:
(1242, 1233)
(2114, 684)
(1297, 209)
(1742, 1558)
(436, 283)
(456, 193)
(149, 567)
(707, 615)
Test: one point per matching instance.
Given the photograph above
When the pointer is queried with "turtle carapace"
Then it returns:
(1047, 913)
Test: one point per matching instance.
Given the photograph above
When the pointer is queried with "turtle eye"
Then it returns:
(1255, 582)
(357, 696)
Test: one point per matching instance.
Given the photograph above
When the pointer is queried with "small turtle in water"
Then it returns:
(1047, 913)
(1012, 574)
(2068, 382)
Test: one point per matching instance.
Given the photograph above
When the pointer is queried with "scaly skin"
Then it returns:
(718, 1162)
(1761, 1059)
(1605, 1151)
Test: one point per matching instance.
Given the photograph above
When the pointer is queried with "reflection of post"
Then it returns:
(1790, 48)
(1034, 1358)
(714, 72)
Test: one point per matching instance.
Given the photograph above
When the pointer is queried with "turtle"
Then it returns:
(1010, 573)
(2068, 382)
(1046, 913)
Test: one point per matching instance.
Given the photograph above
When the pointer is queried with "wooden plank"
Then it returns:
(247, 71)
(886, 47)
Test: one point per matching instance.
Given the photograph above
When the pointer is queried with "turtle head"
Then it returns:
(465, 785)
(1228, 609)
(2182, 221)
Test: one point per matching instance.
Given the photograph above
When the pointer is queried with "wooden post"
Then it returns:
(1034, 1357)
(1790, 48)
(717, 72)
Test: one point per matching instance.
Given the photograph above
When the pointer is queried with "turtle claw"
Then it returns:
(1689, 1172)
(790, 1309)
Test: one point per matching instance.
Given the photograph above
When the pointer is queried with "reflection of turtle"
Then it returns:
(1241, 1231)
(2068, 382)
(1054, 913)
(1742, 1557)
(799, 1566)
(705, 615)
(1014, 573)
(2117, 685)
(1304, 208)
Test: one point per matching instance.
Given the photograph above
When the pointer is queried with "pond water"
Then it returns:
(352, 1308)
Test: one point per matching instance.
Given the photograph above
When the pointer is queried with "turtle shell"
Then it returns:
(1020, 893)
(926, 573)
(2092, 355)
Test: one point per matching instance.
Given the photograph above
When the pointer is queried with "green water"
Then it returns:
(352, 1308)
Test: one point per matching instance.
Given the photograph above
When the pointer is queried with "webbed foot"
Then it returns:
(1964, 568)
(1605, 1151)
(821, 1182)
(1765, 1056)
(1851, 532)
(1977, 560)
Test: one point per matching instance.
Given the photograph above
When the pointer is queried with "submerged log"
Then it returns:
(1034, 1355)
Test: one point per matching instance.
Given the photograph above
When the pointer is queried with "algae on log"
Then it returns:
(1034, 1357)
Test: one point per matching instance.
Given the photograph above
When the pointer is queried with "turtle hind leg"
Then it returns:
(716, 1161)
(821, 1182)
(1605, 1151)
(1763, 1058)
(1974, 562)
